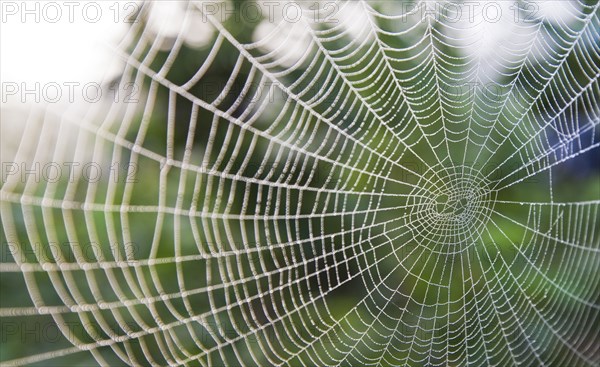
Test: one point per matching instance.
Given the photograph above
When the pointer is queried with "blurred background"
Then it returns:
(239, 183)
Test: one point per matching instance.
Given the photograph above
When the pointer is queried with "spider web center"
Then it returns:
(450, 207)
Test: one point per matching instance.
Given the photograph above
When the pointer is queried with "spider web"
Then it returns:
(378, 185)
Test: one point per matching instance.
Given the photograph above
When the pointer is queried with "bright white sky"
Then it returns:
(72, 49)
